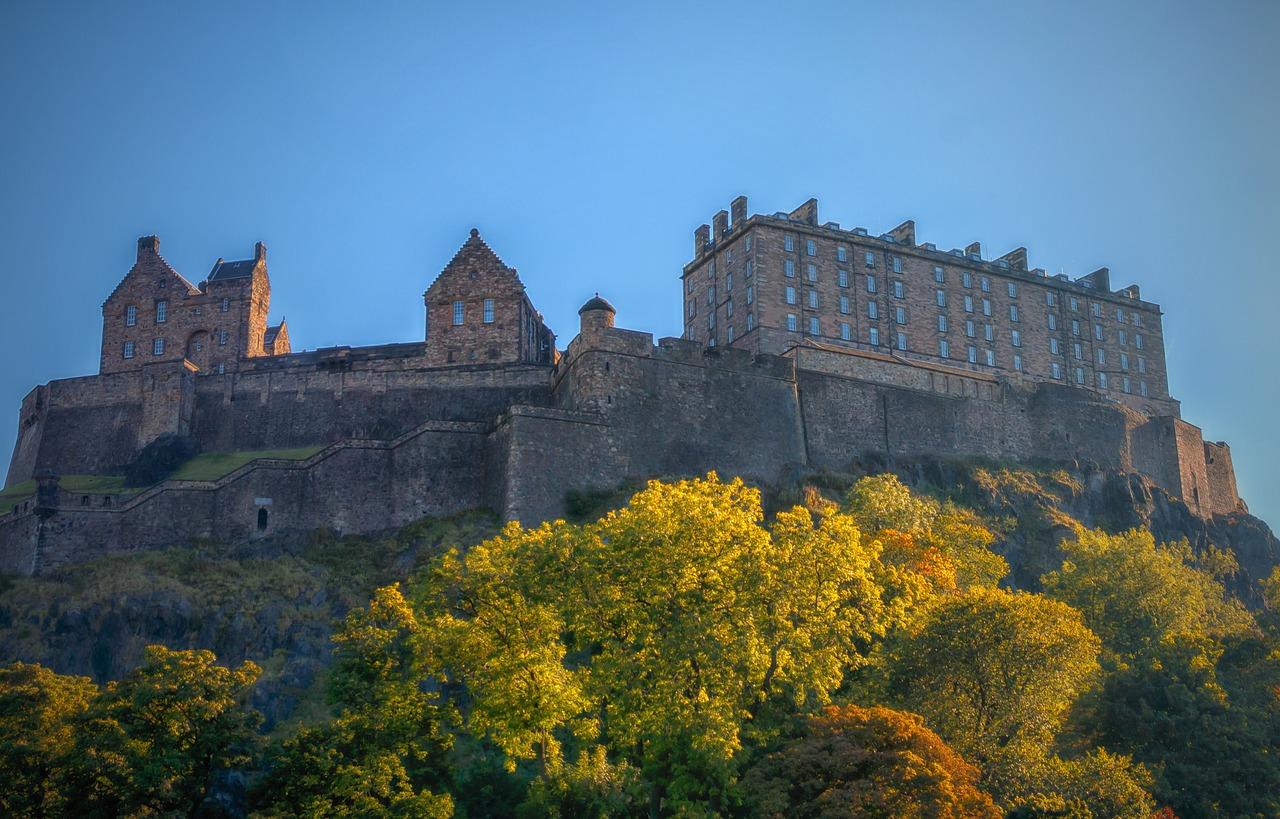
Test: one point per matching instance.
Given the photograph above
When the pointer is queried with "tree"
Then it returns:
(854, 762)
(384, 753)
(38, 709)
(151, 742)
(1031, 782)
(1136, 595)
(989, 667)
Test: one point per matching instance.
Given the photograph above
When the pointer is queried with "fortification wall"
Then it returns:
(1223, 497)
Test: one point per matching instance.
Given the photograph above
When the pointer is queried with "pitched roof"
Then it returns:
(232, 270)
(475, 255)
(269, 337)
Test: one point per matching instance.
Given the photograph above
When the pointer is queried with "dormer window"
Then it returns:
(162, 312)
(130, 315)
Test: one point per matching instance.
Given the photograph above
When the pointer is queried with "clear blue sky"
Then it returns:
(362, 141)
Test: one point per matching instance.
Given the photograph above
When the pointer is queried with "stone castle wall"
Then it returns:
(407, 440)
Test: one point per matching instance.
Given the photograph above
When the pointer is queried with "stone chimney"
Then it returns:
(701, 238)
(1017, 258)
(974, 249)
(720, 225)
(148, 246)
(259, 252)
(738, 211)
(905, 233)
(807, 213)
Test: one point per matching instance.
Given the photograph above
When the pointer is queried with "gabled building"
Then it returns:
(477, 312)
(157, 315)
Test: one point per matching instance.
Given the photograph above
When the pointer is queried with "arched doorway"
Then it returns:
(263, 519)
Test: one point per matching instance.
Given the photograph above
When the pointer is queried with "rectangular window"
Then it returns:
(1120, 318)
(900, 315)
(939, 275)
(986, 307)
(940, 297)
(1102, 380)
(966, 279)
(986, 284)
(1137, 319)
(902, 341)
(813, 299)
(844, 304)
(728, 282)
(693, 308)
(1013, 312)
(812, 271)
(488, 311)
(1097, 310)
(991, 358)
(791, 295)
(1078, 351)
(130, 316)
(1127, 385)
(225, 306)
(1124, 361)
(1124, 338)
(1142, 388)
(1053, 321)
(791, 322)
(1075, 305)
(1053, 346)
(751, 294)
(899, 290)
(1102, 357)
(747, 269)
(873, 334)
(968, 303)
(944, 349)
(128, 349)
(728, 307)
(728, 334)
(942, 323)
(1015, 338)
(157, 347)
(973, 354)
(873, 310)
(1013, 290)
(844, 331)
(789, 269)
(810, 248)
(842, 253)
(1075, 327)
(711, 322)
(1057, 370)
(842, 276)
(457, 313)
(751, 321)
(788, 243)
(1097, 332)
(1017, 362)
(871, 284)
(748, 241)
(1051, 298)
(1142, 365)
(988, 332)
(1137, 340)
(897, 264)
(162, 312)
(813, 325)
(870, 259)
(968, 328)
(1079, 375)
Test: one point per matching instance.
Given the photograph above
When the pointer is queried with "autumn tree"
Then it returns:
(851, 762)
(152, 742)
(988, 668)
(38, 710)
(384, 752)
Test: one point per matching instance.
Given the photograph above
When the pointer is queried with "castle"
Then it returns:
(806, 346)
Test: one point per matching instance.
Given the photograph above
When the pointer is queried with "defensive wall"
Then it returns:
(404, 439)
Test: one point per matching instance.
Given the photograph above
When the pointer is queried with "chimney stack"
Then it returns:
(259, 252)
(148, 245)
(974, 249)
(806, 213)
(701, 238)
(738, 211)
(905, 233)
(720, 225)
(1017, 258)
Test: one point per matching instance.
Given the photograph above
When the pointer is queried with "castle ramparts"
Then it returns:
(493, 417)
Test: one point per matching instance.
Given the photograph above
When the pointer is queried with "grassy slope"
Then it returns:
(213, 465)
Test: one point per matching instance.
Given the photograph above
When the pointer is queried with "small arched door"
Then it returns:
(263, 519)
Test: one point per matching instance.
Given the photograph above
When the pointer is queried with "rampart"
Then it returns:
(403, 439)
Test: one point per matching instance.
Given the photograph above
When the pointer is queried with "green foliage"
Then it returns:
(590, 788)
(1031, 782)
(37, 711)
(988, 668)
(152, 742)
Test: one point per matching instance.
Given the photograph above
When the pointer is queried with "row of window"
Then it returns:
(162, 311)
(459, 312)
(158, 345)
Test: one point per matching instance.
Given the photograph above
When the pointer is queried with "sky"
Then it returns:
(361, 142)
